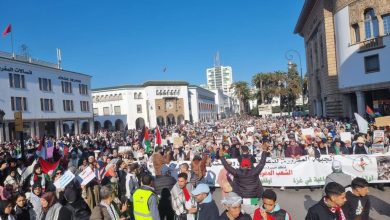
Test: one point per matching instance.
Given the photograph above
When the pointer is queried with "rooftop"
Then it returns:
(145, 84)
(32, 61)
(305, 12)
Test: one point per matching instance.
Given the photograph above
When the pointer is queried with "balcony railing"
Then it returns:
(371, 44)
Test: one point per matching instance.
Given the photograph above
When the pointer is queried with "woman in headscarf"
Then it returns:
(52, 209)
(38, 177)
(5, 210)
(35, 199)
(23, 210)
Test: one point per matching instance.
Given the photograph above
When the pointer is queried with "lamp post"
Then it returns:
(290, 56)
(2, 113)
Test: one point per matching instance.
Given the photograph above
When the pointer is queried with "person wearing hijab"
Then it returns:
(38, 176)
(23, 210)
(5, 210)
(35, 198)
(52, 209)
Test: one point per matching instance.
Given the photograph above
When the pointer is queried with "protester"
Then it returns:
(6, 210)
(338, 176)
(23, 210)
(52, 209)
(183, 203)
(270, 210)
(146, 200)
(329, 207)
(106, 210)
(358, 202)
(207, 209)
(232, 205)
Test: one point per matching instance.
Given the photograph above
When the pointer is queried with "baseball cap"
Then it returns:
(201, 188)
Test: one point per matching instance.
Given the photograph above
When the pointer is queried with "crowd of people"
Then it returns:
(135, 181)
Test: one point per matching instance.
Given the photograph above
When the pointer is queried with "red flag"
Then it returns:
(47, 166)
(7, 30)
(158, 136)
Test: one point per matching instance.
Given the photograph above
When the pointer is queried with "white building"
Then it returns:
(152, 103)
(220, 77)
(362, 32)
(53, 101)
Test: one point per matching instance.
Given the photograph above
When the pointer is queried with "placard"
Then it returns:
(378, 144)
(382, 121)
(345, 136)
(86, 176)
(64, 180)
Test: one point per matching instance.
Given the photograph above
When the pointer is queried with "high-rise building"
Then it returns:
(220, 77)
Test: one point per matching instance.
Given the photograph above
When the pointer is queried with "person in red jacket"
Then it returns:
(270, 210)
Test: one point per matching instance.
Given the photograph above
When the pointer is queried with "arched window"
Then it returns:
(371, 23)
(135, 95)
(140, 95)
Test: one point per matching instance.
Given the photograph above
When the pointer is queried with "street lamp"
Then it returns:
(290, 56)
(2, 113)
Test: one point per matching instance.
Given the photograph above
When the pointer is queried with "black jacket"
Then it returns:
(223, 216)
(162, 182)
(320, 211)
(351, 208)
(25, 213)
(208, 211)
(121, 183)
(79, 209)
(246, 182)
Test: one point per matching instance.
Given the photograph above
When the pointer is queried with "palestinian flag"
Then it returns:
(146, 141)
(48, 167)
(370, 112)
(158, 136)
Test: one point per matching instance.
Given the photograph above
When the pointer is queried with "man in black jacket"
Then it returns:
(329, 207)
(207, 209)
(246, 182)
(358, 203)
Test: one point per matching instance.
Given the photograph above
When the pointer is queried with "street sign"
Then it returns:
(18, 121)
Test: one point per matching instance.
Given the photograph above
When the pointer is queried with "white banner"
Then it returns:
(308, 171)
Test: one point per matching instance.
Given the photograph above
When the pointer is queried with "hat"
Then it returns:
(232, 199)
(360, 140)
(336, 166)
(200, 188)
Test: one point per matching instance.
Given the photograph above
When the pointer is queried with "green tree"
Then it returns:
(291, 89)
(242, 92)
(269, 85)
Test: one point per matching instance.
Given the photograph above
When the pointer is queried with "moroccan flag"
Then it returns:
(370, 111)
(146, 141)
(7, 30)
(158, 136)
(47, 166)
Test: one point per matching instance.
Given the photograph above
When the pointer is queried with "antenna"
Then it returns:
(25, 51)
(59, 58)
(217, 62)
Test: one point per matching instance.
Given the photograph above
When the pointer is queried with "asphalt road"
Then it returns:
(298, 202)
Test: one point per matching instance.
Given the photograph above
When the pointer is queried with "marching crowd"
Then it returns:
(133, 180)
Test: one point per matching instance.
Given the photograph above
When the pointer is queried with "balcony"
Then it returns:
(371, 44)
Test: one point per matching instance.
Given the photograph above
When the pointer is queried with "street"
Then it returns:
(298, 202)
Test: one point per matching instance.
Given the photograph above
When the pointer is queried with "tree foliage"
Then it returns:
(242, 92)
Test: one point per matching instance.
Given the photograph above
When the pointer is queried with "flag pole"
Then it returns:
(12, 43)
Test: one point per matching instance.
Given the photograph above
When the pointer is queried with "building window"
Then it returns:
(66, 87)
(371, 63)
(68, 105)
(16, 81)
(356, 33)
(84, 106)
(106, 111)
(83, 89)
(139, 108)
(386, 24)
(371, 24)
(117, 110)
(47, 105)
(45, 84)
(18, 103)
(95, 111)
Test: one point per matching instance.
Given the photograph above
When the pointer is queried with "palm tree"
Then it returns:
(241, 91)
